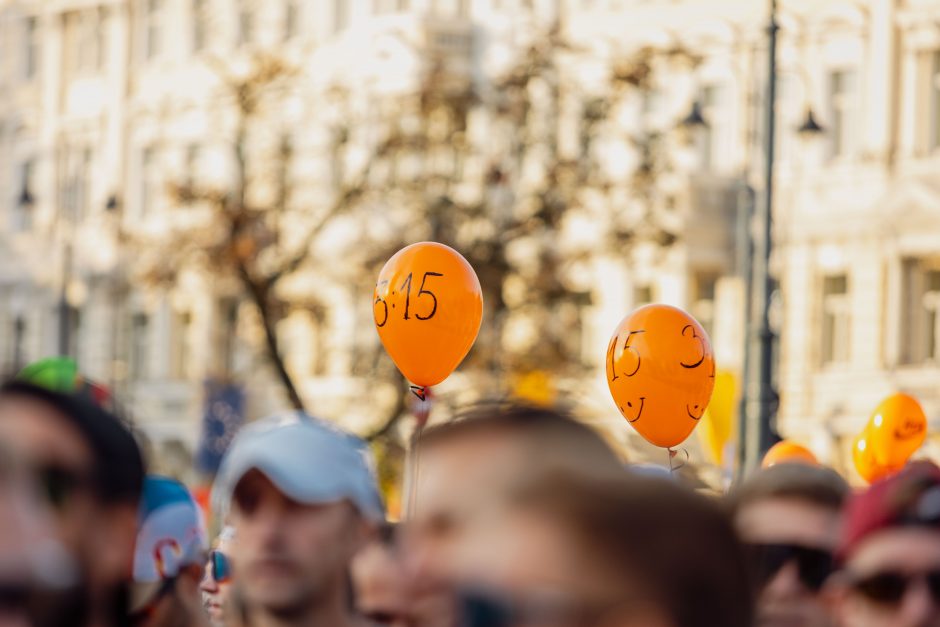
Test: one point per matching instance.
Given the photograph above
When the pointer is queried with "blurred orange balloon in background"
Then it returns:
(896, 430)
(427, 307)
(661, 372)
(864, 460)
(787, 452)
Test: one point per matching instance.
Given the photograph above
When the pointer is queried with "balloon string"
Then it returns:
(421, 411)
(672, 454)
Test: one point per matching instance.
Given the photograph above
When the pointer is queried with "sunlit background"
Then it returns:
(197, 196)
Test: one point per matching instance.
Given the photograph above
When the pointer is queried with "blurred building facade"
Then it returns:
(105, 100)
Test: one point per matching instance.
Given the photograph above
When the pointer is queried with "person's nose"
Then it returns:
(786, 583)
(208, 583)
(918, 608)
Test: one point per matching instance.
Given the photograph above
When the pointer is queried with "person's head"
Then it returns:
(168, 558)
(379, 582)
(580, 552)
(476, 461)
(216, 583)
(91, 472)
(788, 518)
(889, 553)
(303, 497)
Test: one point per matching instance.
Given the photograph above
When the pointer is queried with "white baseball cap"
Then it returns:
(309, 460)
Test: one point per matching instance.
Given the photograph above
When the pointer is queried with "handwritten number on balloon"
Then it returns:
(407, 294)
(701, 342)
(626, 347)
(378, 299)
(429, 293)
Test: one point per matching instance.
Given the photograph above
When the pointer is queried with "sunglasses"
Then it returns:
(58, 485)
(220, 567)
(889, 588)
(477, 608)
(814, 566)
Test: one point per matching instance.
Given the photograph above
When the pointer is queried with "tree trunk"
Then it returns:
(260, 300)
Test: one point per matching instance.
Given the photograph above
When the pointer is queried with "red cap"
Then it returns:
(909, 498)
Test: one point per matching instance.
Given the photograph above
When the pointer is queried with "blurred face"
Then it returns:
(892, 580)
(531, 570)
(180, 606)
(454, 489)
(289, 556)
(791, 541)
(101, 537)
(24, 527)
(216, 591)
(378, 578)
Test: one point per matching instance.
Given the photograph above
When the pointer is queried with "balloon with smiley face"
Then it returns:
(863, 458)
(661, 372)
(897, 429)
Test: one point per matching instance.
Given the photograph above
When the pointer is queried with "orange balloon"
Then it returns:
(427, 307)
(864, 459)
(897, 429)
(661, 372)
(787, 452)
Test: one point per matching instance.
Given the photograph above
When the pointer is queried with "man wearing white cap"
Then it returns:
(168, 558)
(303, 498)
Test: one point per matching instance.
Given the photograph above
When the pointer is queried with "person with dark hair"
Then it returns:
(889, 553)
(788, 516)
(473, 463)
(91, 473)
(629, 552)
(378, 580)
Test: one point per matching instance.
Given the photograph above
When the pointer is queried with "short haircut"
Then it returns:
(669, 544)
(550, 437)
(119, 466)
(815, 485)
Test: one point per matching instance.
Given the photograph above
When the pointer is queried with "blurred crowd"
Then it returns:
(520, 517)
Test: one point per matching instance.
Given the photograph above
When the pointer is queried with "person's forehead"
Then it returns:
(40, 433)
(784, 520)
(899, 548)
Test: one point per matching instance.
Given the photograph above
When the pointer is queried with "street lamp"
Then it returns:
(810, 127)
(26, 199)
(695, 118)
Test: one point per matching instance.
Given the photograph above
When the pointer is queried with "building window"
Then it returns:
(149, 181)
(179, 364)
(340, 15)
(229, 315)
(711, 148)
(25, 201)
(153, 28)
(842, 98)
(642, 294)
(85, 37)
(30, 47)
(140, 346)
(921, 322)
(19, 338)
(452, 8)
(199, 16)
(292, 19)
(74, 170)
(929, 115)
(74, 322)
(703, 300)
(835, 319)
(246, 23)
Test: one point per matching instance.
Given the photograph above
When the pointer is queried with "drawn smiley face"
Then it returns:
(660, 371)
(910, 428)
(633, 409)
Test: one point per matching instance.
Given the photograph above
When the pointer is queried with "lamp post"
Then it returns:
(760, 398)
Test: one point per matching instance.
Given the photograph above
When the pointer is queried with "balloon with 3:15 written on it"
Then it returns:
(427, 307)
(661, 372)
